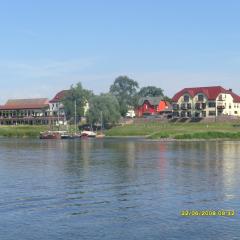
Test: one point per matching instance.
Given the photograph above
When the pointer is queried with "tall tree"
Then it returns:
(150, 91)
(125, 90)
(77, 94)
(168, 99)
(104, 106)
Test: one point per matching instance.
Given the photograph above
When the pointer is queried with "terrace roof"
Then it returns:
(17, 104)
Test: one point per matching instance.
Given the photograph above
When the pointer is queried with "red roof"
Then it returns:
(59, 96)
(17, 104)
(236, 98)
(210, 92)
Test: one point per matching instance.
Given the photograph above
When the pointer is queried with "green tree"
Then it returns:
(168, 99)
(150, 91)
(105, 107)
(125, 90)
(77, 94)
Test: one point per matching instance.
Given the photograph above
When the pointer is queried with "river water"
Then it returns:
(117, 189)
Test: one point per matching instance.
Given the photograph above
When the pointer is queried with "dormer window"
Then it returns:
(200, 97)
(186, 98)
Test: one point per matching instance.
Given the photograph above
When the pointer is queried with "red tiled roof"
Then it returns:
(17, 104)
(59, 96)
(210, 92)
(236, 98)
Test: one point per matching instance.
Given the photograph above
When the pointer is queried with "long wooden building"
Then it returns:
(26, 111)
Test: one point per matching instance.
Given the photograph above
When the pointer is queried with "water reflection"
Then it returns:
(135, 185)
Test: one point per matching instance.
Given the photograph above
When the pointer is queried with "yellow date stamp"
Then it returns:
(207, 213)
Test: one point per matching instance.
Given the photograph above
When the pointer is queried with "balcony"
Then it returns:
(221, 106)
(200, 106)
(175, 107)
(184, 106)
(183, 114)
(221, 98)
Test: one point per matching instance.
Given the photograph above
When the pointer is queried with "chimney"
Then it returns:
(230, 89)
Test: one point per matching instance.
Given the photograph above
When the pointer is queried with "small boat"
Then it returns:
(100, 135)
(66, 136)
(50, 135)
(76, 135)
(70, 135)
(88, 134)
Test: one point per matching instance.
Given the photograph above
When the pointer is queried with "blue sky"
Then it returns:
(46, 46)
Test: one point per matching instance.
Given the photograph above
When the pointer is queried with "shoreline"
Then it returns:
(162, 132)
(145, 138)
(172, 139)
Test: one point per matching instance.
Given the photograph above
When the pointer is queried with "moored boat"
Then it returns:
(50, 135)
(88, 134)
(101, 135)
(66, 136)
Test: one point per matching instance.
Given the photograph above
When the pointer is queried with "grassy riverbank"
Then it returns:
(151, 130)
(21, 131)
(157, 130)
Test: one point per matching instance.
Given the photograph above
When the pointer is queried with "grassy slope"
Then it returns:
(156, 130)
(151, 130)
(21, 131)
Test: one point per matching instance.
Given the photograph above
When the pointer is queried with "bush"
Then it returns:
(159, 135)
(209, 135)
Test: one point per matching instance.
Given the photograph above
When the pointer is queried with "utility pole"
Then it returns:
(101, 121)
(58, 117)
(75, 114)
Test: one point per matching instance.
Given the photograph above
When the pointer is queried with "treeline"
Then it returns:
(123, 95)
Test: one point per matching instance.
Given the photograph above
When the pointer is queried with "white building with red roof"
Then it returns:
(206, 102)
(56, 107)
(25, 111)
(35, 111)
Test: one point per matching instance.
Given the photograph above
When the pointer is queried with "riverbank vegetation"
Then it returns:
(22, 131)
(160, 130)
(107, 108)
(150, 130)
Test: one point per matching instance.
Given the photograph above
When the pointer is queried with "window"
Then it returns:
(176, 114)
(235, 112)
(186, 98)
(183, 114)
(183, 106)
(211, 104)
(198, 106)
(211, 113)
(175, 106)
(200, 97)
